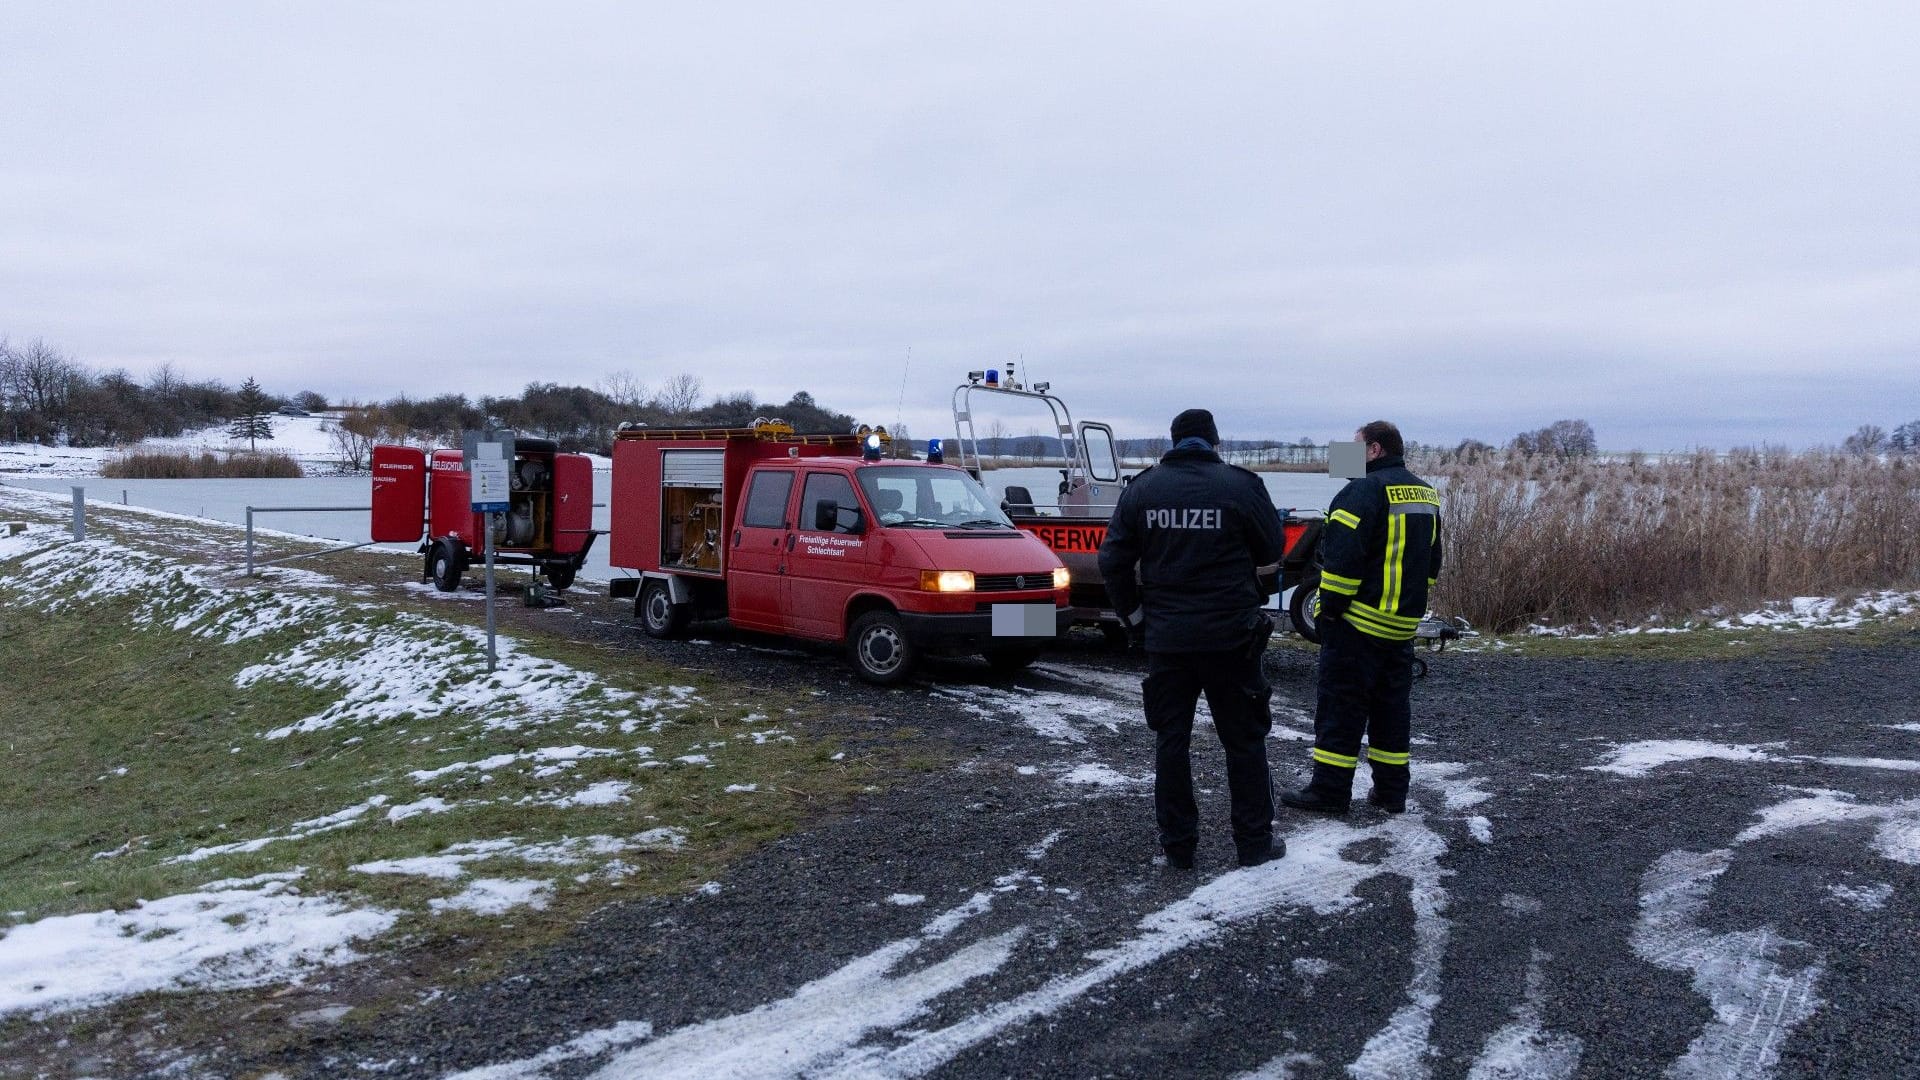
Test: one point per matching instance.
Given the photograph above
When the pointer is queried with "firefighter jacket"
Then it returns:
(1381, 550)
(1195, 528)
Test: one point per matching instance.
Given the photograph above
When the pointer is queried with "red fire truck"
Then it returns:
(820, 537)
(427, 497)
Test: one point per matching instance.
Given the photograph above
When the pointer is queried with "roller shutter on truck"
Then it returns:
(692, 468)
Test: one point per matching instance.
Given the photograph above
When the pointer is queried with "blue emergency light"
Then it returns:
(936, 451)
(871, 452)
(993, 376)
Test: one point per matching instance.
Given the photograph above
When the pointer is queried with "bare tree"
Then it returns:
(353, 436)
(43, 380)
(1867, 439)
(679, 394)
(625, 390)
(996, 434)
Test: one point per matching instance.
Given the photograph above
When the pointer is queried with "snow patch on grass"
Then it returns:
(232, 934)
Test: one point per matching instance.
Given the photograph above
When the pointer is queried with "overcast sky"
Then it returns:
(1688, 223)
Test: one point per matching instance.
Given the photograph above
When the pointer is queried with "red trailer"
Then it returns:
(427, 497)
(817, 536)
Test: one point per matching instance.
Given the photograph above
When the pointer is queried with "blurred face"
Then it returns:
(1374, 453)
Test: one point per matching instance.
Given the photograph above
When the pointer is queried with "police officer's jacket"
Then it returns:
(1196, 528)
(1381, 549)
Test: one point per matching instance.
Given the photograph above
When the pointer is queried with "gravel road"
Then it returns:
(1611, 867)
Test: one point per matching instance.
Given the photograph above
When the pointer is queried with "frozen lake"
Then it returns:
(227, 500)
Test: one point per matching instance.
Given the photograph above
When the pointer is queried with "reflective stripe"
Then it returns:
(1386, 757)
(1328, 757)
(1345, 517)
(1385, 618)
(1334, 583)
(1375, 623)
(1391, 570)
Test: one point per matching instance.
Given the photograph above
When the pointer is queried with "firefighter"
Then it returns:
(1381, 556)
(1196, 528)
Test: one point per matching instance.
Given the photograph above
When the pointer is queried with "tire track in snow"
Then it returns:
(1757, 1000)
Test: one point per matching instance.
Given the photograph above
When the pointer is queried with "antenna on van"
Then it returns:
(901, 405)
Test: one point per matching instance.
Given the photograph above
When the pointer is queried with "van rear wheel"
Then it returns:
(881, 652)
(560, 575)
(661, 617)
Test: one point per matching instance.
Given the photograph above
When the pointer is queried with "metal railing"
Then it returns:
(251, 510)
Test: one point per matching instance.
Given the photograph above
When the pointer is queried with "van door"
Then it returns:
(757, 562)
(827, 564)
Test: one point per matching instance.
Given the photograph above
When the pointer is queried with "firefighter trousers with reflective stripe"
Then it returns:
(1365, 687)
(1238, 694)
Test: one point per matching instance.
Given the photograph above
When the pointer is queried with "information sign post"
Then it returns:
(487, 472)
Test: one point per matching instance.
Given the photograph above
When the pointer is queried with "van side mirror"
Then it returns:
(827, 516)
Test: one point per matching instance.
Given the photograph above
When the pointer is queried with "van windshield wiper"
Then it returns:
(983, 523)
(916, 522)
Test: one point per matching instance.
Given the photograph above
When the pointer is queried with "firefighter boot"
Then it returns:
(1389, 787)
(1329, 792)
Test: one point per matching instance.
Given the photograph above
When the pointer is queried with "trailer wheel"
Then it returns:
(559, 575)
(1301, 608)
(881, 652)
(661, 617)
(444, 565)
(1009, 660)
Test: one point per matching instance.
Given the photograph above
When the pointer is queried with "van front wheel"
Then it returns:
(880, 649)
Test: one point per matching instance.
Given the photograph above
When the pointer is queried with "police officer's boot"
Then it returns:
(1389, 787)
(1329, 792)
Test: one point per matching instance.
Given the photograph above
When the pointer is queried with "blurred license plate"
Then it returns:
(1023, 620)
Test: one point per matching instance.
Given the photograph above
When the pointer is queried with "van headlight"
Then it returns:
(1061, 577)
(946, 580)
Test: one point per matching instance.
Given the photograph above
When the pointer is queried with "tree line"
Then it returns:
(48, 397)
(577, 418)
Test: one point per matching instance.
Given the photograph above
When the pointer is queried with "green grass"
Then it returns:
(1699, 643)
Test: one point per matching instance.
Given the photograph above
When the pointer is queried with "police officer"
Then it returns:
(1381, 556)
(1196, 528)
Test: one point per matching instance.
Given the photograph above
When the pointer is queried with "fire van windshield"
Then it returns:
(913, 497)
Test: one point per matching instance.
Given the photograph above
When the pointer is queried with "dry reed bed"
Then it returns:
(268, 465)
(1533, 540)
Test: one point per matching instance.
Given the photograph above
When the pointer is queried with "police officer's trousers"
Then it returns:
(1365, 686)
(1237, 694)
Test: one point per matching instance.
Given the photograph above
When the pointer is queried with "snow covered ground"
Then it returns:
(306, 438)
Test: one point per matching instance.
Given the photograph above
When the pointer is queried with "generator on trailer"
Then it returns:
(427, 496)
(821, 537)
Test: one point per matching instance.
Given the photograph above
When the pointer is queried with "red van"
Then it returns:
(818, 537)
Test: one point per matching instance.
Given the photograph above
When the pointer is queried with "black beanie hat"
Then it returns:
(1196, 422)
